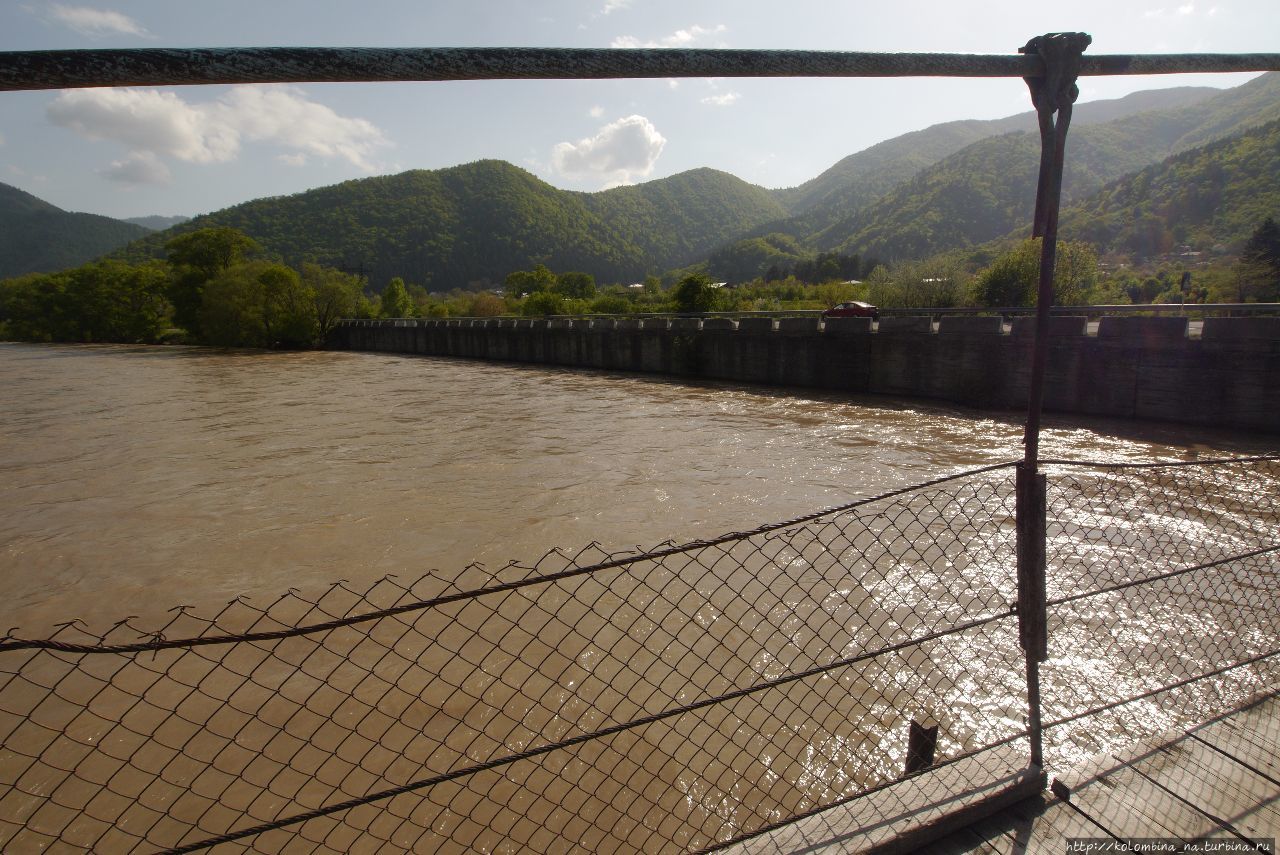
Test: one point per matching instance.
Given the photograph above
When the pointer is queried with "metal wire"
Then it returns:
(1163, 582)
(667, 701)
(681, 699)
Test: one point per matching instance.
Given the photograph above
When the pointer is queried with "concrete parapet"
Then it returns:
(847, 326)
(560, 324)
(719, 324)
(1241, 329)
(906, 324)
(755, 325)
(1059, 326)
(1143, 367)
(971, 325)
(685, 324)
(1142, 331)
(806, 326)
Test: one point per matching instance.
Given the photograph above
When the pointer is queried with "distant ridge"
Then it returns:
(475, 223)
(37, 237)
(155, 222)
(985, 189)
(952, 186)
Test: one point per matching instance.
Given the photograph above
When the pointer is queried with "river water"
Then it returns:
(134, 479)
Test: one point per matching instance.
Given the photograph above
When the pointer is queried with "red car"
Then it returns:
(853, 309)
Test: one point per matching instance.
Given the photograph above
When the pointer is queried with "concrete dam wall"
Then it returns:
(1133, 367)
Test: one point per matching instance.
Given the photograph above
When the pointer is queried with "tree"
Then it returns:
(576, 285)
(831, 293)
(522, 282)
(212, 250)
(197, 257)
(257, 304)
(543, 303)
(337, 295)
(1258, 271)
(695, 294)
(288, 308)
(395, 300)
(486, 305)
(1013, 278)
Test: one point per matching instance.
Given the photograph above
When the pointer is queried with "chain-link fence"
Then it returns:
(680, 699)
(1163, 584)
(668, 701)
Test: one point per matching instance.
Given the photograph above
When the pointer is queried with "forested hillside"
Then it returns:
(478, 222)
(988, 189)
(38, 237)
(1215, 194)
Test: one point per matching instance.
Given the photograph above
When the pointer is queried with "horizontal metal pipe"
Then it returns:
(68, 69)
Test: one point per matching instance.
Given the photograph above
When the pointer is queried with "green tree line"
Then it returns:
(212, 288)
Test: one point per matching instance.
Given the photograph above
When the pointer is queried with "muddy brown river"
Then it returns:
(134, 480)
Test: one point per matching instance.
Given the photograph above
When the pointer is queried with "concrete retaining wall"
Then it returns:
(1135, 367)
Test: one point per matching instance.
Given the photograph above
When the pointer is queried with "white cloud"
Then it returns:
(595, 113)
(1187, 9)
(162, 124)
(619, 153)
(285, 116)
(148, 120)
(22, 173)
(614, 5)
(96, 22)
(140, 167)
(680, 38)
(723, 100)
(298, 159)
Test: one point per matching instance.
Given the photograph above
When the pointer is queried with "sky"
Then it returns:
(189, 150)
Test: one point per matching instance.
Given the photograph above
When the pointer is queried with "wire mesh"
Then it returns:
(1162, 598)
(673, 700)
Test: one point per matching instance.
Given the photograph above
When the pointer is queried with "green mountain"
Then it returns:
(477, 222)
(1215, 194)
(987, 189)
(156, 222)
(36, 237)
(859, 179)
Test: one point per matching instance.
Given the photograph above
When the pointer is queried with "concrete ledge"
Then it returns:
(1241, 329)
(755, 325)
(847, 326)
(1060, 326)
(971, 325)
(685, 324)
(906, 324)
(1142, 331)
(629, 324)
(719, 324)
(805, 326)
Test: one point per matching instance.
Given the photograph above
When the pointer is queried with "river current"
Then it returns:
(134, 479)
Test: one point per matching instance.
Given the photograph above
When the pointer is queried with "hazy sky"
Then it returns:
(194, 149)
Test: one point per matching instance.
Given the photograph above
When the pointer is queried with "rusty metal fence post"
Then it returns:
(1053, 95)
